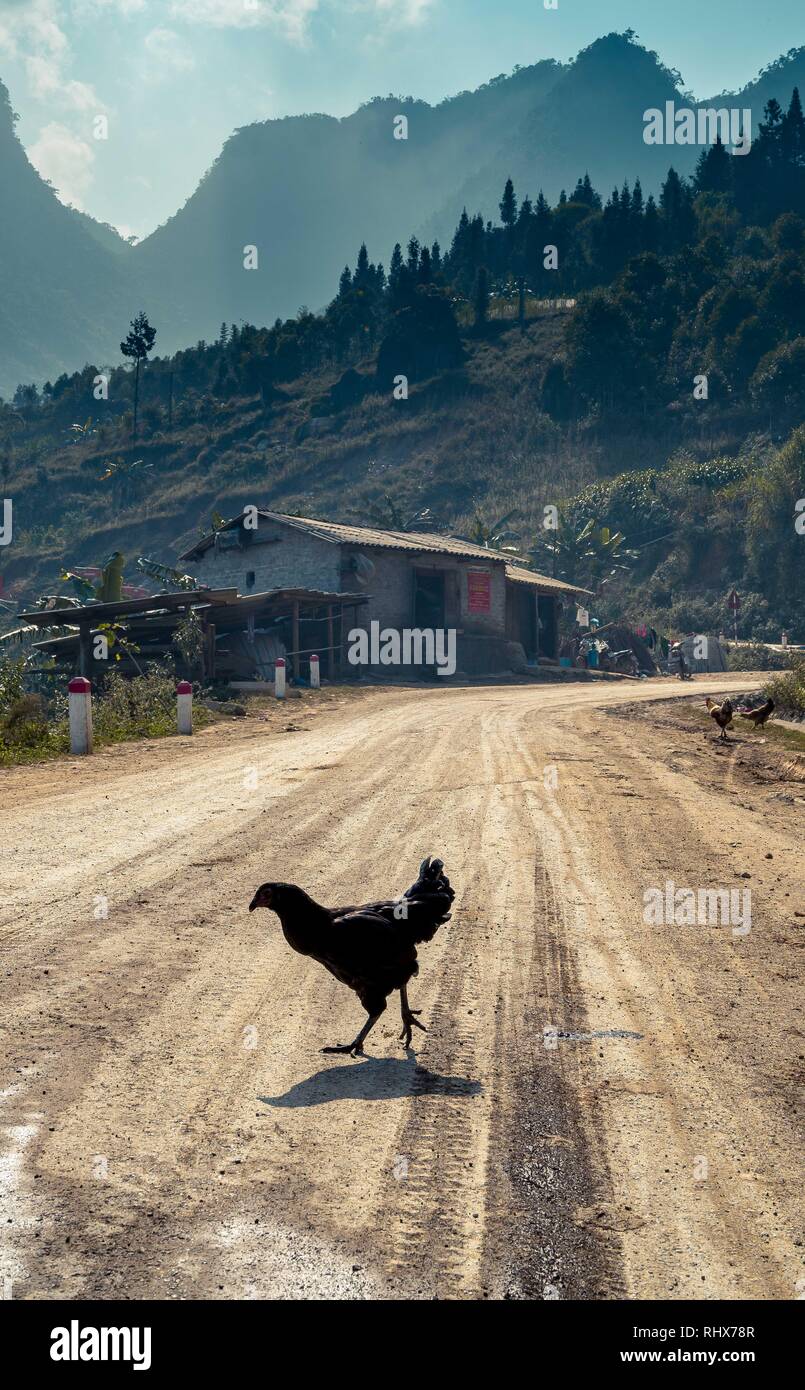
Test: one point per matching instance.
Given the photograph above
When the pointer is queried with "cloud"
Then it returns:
(167, 53)
(66, 160)
(391, 15)
(290, 17)
(47, 83)
(33, 29)
(401, 14)
(81, 10)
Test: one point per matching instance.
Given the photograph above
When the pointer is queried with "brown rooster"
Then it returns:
(757, 716)
(371, 948)
(722, 714)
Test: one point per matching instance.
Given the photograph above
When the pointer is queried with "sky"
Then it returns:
(174, 78)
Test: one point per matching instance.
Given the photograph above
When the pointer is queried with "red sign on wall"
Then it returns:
(479, 591)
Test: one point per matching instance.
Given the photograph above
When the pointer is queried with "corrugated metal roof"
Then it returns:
(428, 541)
(519, 575)
(371, 536)
(421, 542)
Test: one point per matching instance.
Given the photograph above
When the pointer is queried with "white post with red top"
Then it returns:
(79, 699)
(279, 677)
(184, 707)
(315, 673)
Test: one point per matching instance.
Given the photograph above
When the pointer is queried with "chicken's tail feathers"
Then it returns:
(431, 880)
(711, 704)
(428, 901)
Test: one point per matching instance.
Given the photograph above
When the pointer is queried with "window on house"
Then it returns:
(250, 577)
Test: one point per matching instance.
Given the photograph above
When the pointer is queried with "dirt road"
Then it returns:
(601, 1108)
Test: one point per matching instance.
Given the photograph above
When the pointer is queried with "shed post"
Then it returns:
(210, 633)
(315, 673)
(184, 707)
(79, 700)
(84, 649)
(330, 642)
(296, 666)
(279, 677)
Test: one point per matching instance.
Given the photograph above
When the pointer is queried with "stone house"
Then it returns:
(504, 616)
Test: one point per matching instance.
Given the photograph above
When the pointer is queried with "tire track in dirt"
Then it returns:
(233, 1167)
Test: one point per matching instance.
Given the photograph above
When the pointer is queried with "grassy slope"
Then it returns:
(474, 434)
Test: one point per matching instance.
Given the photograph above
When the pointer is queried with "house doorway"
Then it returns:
(429, 599)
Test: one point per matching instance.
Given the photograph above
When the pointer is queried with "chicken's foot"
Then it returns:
(409, 1018)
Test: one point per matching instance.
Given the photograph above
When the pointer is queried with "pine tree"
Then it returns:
(592, 198)
(679, 219)
(508, 205)
(137, 345)
(362, 276)
(540, 234)
(585, 194)
(651, 225)
(480, 297)
(714, 169)
(792, 132)
(400, 282)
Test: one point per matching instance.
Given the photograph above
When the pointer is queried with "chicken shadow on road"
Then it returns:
(374, 1078)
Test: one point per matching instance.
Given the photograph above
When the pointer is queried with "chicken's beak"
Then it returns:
(262, 898)
(253, 904)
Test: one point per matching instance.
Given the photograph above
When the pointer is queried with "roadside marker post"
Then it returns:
(279, 678)
(184, 707)
(79, 699)
(315, 673)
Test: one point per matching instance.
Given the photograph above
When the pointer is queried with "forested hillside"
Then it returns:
(306, 190)
(450, 390)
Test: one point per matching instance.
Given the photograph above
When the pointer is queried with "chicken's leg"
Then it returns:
(355, 1048)
(408, 1017)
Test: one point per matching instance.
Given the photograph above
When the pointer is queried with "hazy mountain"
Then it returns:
(307, 190)
(592, 121)
(64, 295)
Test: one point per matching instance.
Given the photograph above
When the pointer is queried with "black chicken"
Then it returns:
(371, 948)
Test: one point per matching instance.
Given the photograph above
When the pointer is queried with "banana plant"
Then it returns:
(79, 434)
(495, 535)
(167, 577)
(126, 476)
(392, 517)
(583, 555)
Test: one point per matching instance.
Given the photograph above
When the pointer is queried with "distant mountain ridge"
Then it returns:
(307, 190)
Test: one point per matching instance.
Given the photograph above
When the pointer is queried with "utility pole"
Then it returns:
(170, 402)
(734, 603)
